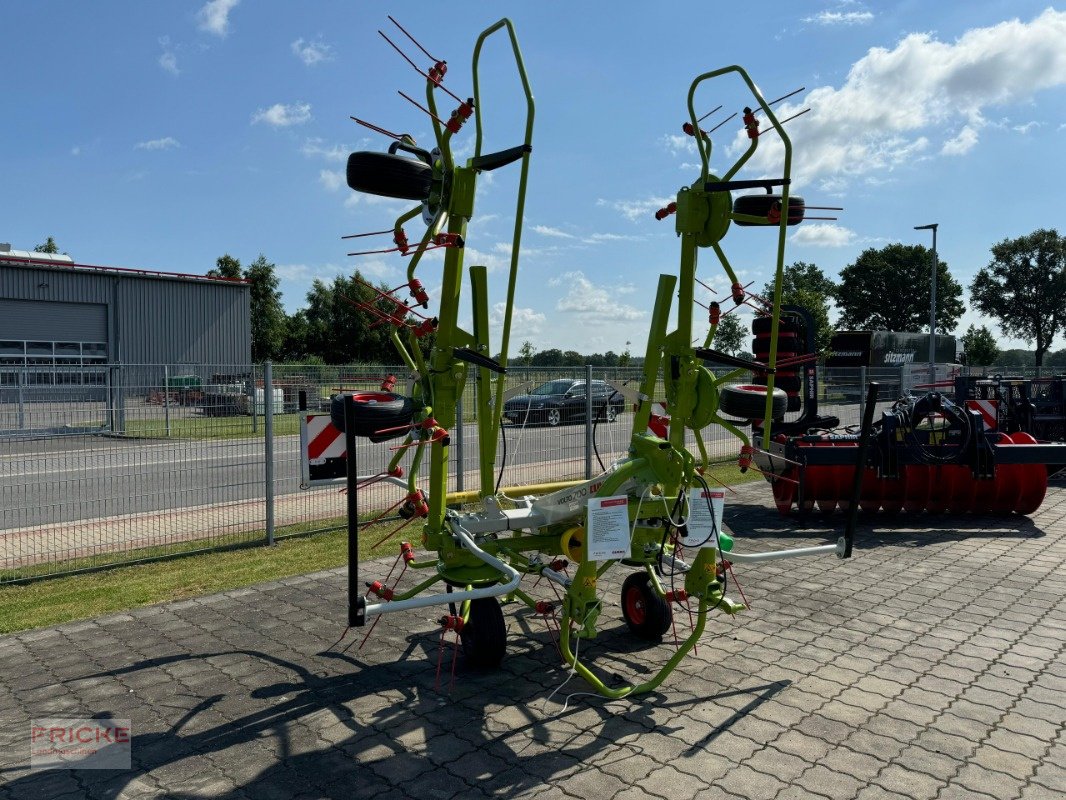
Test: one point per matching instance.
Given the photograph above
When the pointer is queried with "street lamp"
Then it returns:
(932, 303)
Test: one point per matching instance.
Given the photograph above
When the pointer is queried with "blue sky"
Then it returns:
(162, 135)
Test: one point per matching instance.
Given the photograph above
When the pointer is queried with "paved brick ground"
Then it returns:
(929, 666)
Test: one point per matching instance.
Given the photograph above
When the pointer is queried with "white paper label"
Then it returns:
(608, 528)
(702, 527)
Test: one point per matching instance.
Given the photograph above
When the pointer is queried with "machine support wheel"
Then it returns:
(647, 615)
(749, 402)
(389, 175)
(484, 637)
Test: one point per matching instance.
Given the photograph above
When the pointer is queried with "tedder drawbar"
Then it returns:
(652, 510)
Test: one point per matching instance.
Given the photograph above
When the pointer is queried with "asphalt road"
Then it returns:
(66, 478)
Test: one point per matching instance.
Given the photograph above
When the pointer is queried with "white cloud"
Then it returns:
(635, 209)
(590, 301)
(525, 322)
(597, 238)
(544, 230)
(169, 62)
(678, 143)
(892, 99)
(315, 148)
(312, 52)
(1028, 126)
(841, 18)
(822, 234)
(332, 180)
(282, 116)
(214, 16)
(75, 150)
(960, 144)
(166, 143)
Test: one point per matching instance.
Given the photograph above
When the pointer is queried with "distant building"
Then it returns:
(64, 323)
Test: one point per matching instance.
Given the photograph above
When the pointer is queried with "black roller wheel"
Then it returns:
(484, 637)
(762, 325)
(749, 402)
(389, 175)
(374, 411)
(647, 615)
(768, 208)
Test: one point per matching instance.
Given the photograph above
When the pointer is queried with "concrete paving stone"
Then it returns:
(992, 699)
(1031, 708)
(783, 766)
(852, 716)
(980, 713)
(748, 783)
(897, 778)
(875, 792)
(1010, 741)
(1047, 696)
(903, 731)
(797, 743)
(1051, 775)
(829, 782)
(1017, 765)
(1016, 723)
(797, 792)
(930, 762)
(980, 779)
(1034, 791)
(970, 729)
(861, 766)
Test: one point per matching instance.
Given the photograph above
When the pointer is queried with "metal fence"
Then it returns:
(154, 460)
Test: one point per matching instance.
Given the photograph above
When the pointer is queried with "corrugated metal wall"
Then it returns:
(151, 320)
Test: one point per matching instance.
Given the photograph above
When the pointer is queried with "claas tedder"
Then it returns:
(652, 511)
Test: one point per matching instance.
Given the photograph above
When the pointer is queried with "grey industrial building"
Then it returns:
(67, 323)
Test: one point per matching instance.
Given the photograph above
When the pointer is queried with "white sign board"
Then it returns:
(608, 528)
(703, 528)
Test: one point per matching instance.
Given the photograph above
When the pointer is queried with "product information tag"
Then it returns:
(608, 528)
(702, 527)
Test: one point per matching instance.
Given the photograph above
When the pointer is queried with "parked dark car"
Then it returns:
(563, 400)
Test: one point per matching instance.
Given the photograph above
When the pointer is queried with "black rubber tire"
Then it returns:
(647, 615)
(786, 342)
(788, 383)
(749, 401)
(763, 325)
(553, 416)
(389, 175)
(374, 411)
(484, 637)
(760, 205)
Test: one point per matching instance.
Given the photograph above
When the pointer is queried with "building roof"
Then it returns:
(64, 263)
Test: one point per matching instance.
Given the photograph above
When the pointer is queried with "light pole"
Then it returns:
(932, 303)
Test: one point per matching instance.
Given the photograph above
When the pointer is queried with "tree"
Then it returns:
(268, 318)
(552, 357)
(805, 285)
(731, 336)
(1024, 287)
(226, 267)
(49, 246)
(980, 346)
(339, 331)
(526, 351)
(888, 290)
